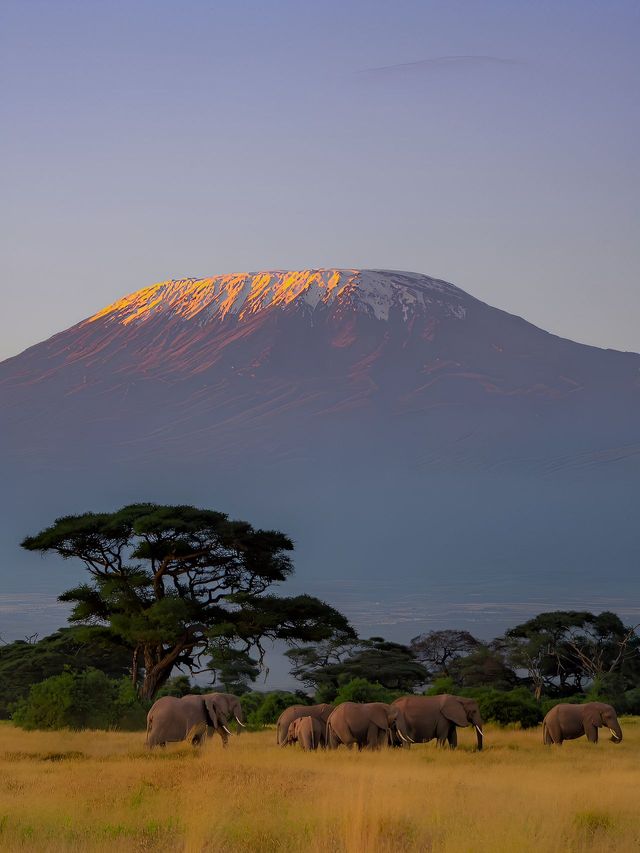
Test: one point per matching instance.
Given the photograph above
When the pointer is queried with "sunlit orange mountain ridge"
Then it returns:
(389, 421)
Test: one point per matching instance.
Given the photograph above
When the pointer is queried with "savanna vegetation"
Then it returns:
(96, 791)
(180, 600)
(174, 590)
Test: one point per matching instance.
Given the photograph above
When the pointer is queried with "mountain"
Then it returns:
(435, 458)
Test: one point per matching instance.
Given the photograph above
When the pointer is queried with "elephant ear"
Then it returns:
(210, 711)
(453, 711)
(380, 717)
(593, 716)
(392, 713)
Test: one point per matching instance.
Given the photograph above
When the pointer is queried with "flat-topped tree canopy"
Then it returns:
(170, 580)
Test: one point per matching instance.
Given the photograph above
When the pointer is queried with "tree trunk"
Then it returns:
(158, 664)
(153, 681)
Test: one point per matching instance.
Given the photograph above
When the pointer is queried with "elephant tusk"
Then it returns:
(480, 732)
(226, 729)
(240, 723)
(402, 737)
(614, 734)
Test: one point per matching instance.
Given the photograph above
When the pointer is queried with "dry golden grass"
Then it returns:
(102, 791)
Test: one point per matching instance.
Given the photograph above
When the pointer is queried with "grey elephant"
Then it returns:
(320, 712)
(228, 707)
(367, 725)
(309, 732)
(190, 717)
(429, 717)
(568, 722)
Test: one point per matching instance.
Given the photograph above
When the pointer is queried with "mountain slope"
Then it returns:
(373, 404)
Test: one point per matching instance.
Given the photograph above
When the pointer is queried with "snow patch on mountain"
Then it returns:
(376, 292)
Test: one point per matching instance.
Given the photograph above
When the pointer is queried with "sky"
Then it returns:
(492, 144)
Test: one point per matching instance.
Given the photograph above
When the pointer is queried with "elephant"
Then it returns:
(568, 722)
(429, 717)
(293, 712)
(173, 718)
(226, 705)
(190, 717)
(309, 732)
(367, 724)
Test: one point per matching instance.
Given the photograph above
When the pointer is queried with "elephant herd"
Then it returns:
(366, 725)
(371, 725)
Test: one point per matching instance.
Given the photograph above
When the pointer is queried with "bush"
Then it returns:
(508, 706)
(270, 707)
(631, 702)
(23, 664)
(80, 700)
(361, 690)
(445, 684)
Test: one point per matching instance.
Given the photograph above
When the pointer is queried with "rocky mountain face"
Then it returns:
(408, 436)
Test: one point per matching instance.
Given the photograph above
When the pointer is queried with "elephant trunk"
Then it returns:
(616, 733)
(480, 737)
(238, 714)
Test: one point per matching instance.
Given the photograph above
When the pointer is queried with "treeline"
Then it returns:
(82, 679)
(178, 588)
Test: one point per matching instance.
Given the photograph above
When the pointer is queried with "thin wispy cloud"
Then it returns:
(441, 62)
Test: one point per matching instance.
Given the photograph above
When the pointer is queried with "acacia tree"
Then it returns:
(439, 650)
(562, 649)
(327, 666)
(171, 580)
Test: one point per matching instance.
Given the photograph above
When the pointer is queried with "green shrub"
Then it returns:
(80, 700)
(507, 706)
(250, 702)
(129, 713)
(361, 690)
(631, 704)
(23, 664)
(272, 705)
(445, 684)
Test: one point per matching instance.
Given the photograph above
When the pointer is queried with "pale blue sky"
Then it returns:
(147, 140)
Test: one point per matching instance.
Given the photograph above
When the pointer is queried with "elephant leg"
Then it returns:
(223, 736)
(546, 735)
(591, 732)
(373, 733)
(197, 734)
(332, 738)
(452, 736)
(554, 732)
(442, 732)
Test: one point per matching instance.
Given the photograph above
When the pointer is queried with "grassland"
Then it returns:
(102, 791)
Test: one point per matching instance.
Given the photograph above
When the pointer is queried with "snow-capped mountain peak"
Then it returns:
(375, 292)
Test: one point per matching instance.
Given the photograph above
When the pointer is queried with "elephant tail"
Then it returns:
(149, 727)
